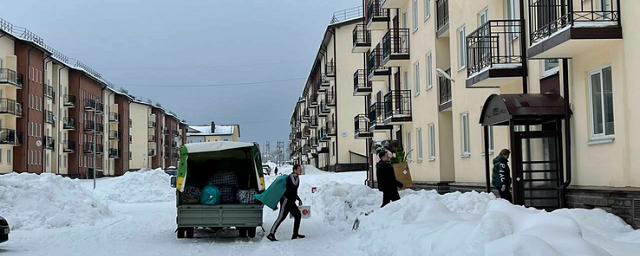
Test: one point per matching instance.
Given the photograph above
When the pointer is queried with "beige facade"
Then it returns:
(10, 109)
(60, 83)
(139, 129)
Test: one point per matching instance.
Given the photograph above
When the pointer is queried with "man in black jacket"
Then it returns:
(288, 205)
(387, 182)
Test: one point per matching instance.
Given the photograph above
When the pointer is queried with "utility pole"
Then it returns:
(95, 146)
(268, 151)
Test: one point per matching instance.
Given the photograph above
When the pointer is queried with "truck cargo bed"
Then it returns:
(224, 215)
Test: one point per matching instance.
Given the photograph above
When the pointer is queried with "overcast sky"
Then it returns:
(146, 46)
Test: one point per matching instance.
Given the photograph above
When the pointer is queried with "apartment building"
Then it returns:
(324, 119)
(456, 81)
(212, 132)
(140, 121)
(58, 115)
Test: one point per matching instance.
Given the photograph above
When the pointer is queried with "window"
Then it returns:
(64, 161)
(29, 157)
(29, 129)
(427, 9)
(550, 66)
(429, 71)
(432, 141)
(405, 20)
(466, 145)
(601, 91)
(416, 78)
(46, 160)
(409, 145)
(9, 156)
(415, 15)
(483, 17)
(0, 155)
(334, 148)
(406, 80)
(419, 142)
(513, 14)
(490, 139)
(462, 48)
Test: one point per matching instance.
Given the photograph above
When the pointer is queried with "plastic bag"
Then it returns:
(210, 195)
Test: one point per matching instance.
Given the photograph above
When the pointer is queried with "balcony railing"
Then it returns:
(68, 123)
(9, 136)
(152, 124)
(114, 153)
(442, 14)
(330, 68)
(549, 16)
(99, 149)
(9, 106)
(306, 133)
(89, 126)
(114, 117)
(361, 124)
(99, 128)
(152, 152)
(69, 100)
(88, 147)
(49, 117)
(114, 135)
(361, 85)
(152, 138)
(323, 134)
(493, 45)
(324, 109)
(9, 76)
(330, 98)
(331, 128)
(174, 144)
(89, 104)
(397, 104)
(49, 143)
(361, 36)
(395, 42)
(376, 12)
(69, 146)
(314, 99)
(444, 85)
(313, 121)
(99, 107)
(376, 114)
(374, 61)
(49, 93)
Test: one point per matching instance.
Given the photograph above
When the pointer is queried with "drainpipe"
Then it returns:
(59, 115)
(567, 122)
(44, 116)
(335, 78)
(80, 112)
(523, 49)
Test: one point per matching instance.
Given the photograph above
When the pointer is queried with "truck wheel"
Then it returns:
(243, 232)
(252, 232)
(180, 233)
(189, 232)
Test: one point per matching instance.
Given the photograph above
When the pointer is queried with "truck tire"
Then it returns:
(189, 232)
(242, 232)
(252, 232)
(181, 232)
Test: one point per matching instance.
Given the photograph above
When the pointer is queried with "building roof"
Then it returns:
(205, 130)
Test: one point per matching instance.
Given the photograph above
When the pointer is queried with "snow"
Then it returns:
(594, 24)
(30, 201)
(206, 130)
(144, 186)
(421, 223)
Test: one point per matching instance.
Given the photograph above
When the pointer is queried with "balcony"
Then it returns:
(99, 107)
(114, 135)
(165, 131)
(397, 107)
(324, 82)
(324, 110)
(49, 93)
(99, 128)
(11, 107)
(69, 123)
(305, 115)
(313, 122)
(330, 98)
(49, 143)
(69, 101)
(377, 17)
(393, 4)
(361, 39)
(564, 29)
(444, 88)
(49, 117)
(174, 144)
(376, 118)
(152, 152)
(11, 77)
(87, 148)
(89, 105)
(69, 146)
(324, 135)
(442, 16)
(313, 100)
(395, 48)
(9, 136)
(494, 54)
(167, 154)
(176, 155)
(114, 153)
(331, 128)
(89, 126)
(377, 72)
(99, 149)
(152, 125)
(361, 85)
(330, 69)
(176, 133)
(152, 138)
(306, 133)
(114, 117)
(362, 125)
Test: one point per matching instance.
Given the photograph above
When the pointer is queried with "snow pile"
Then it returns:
(144, 186)
(426, 223)
(30, 201)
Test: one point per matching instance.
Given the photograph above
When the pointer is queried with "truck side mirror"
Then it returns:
(173, 181)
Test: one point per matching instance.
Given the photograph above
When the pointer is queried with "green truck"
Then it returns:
(198, 161)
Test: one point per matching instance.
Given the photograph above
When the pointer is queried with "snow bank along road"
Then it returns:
(135, 215)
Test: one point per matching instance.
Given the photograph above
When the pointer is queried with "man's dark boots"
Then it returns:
(297, 236)
(272, 237)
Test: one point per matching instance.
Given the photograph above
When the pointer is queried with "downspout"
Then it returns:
(59, 115)
(44, 116)
(523, 50)
(335, 70)
(567, 124)
(78, 145)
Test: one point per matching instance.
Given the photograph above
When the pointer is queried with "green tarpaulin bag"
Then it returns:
(274, 192)
(210, 195)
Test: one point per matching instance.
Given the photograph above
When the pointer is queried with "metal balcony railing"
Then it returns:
(361, 124)
(89, 104)
(9, 76)
(69, 100)
(10, 106)
(68, 123)
(49, 143)
(444, 85)
(494, 44)
(375, 10)
(49, 117)
(99, 107)
(114, 117)
(360, 81)
(548, 16)
(99, 128)
(152, 152)
(397, 104)
(313, 141)
(331, 128)
(374, 60)
(442, 13)
(347, 14)
(99, 149)
(9, 136)
(152, 124)
(330, 68)
(114, 135)
(114, 153)
(69, 146)
(88, 147)
(49, 93)
(330, 98)
(152, 138)
(313, 121)
(361, 36)
(89, 125)
(306, 133)
(174, 144)
(376, 114)
(396, 42)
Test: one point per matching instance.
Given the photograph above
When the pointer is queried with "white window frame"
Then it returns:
(603, 135)
(409, 145)
(414, 14)
(549, 71)
(432, 142)
(416, 77)
(405, 19)
(406, 80)
(491, 141)
(462, 47)
(419, 142)
(9, 156)
(427, 9)
(429, 71)
(465, 134)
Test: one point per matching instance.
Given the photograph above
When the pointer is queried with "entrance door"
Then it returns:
(538, 169)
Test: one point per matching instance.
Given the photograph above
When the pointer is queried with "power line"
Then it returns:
(210, 85)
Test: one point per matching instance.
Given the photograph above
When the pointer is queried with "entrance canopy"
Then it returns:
(522, 109)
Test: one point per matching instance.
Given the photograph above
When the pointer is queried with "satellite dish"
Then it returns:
(442, 73)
